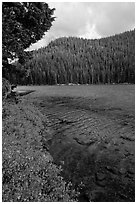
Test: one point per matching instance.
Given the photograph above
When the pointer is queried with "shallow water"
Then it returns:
(93, 134)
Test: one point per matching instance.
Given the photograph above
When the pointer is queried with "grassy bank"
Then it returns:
(28, 170)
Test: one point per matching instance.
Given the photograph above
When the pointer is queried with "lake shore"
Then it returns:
(91, 136)
(29, 173)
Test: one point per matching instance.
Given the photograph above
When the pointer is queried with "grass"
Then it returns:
(28, 170)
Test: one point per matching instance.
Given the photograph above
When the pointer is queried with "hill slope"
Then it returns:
(77, 60)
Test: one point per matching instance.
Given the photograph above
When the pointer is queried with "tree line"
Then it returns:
(82, 61)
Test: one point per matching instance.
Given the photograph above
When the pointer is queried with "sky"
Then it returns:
(90, 20)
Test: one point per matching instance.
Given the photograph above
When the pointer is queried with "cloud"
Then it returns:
(113, 17)
(71, 18)
(89, 20)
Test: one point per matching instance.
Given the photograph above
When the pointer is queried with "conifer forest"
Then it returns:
(81, 61)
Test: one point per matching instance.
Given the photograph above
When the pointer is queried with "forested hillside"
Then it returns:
(83, 61)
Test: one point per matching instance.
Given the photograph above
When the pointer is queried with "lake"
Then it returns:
(122, 96)
(92, 136)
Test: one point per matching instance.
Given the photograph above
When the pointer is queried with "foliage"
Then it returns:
(23, 23)
(6, 88)
(83, 61)
(28, 171)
